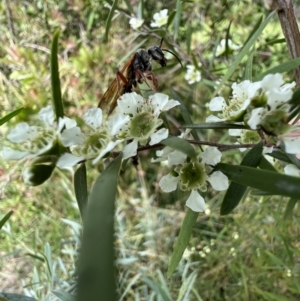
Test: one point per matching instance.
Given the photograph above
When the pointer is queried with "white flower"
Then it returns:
(222, 46)
(143, 119)
(242, 94)
(33, 141)
(97, 141)
(292, 170)
(192, 75)
(276, 92)
(160, 18)
(291, 140)
(193, 176)
(136, 23)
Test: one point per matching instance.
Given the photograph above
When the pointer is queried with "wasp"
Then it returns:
(138, 69)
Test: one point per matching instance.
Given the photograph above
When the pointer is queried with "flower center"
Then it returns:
(142, 125)
(193, 176)
(95, 142)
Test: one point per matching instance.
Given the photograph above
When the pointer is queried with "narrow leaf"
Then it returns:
(289, 208)
(5, 218)
(214, 125)
(55, 80)
(236, 191)
(96, 271)
(275, 183)
(184, 112)
(280, 155)
(10, 116)
(179, 144)
(63, 295)
(109, 18)
(284, 67)
(249, 67)
(243, 52)
(157, 288)
(182, 240)
(293, 158)
(177, 19)
(265, 164)
(80, 187)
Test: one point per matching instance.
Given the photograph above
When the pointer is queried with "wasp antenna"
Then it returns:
(174, 55)
(161, 41)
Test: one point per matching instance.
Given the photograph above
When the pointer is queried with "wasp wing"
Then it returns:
(116, 88)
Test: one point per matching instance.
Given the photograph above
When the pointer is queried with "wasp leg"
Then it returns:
(146, 77)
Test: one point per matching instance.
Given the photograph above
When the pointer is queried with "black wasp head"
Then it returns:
(156, 54)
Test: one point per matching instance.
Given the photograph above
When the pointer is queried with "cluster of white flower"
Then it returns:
(192, 75)
(136, 120)
(260, 105)
(159, 20)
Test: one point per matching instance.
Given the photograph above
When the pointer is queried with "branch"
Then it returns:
(290, 30)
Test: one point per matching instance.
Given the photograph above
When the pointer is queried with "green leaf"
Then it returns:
(236, 191)
(80, 187)
(275, 183)
(265, 164)
(10, 116)
(294, 160)
(109, 18)
(255, 28)
(280, 155)
(96, 271)
(180, 144)
(289, 208)
(5, 218)
(63, 295)
(188, 38)
(213, 125)
(276, 41)
(243, 52)
(184, 112)
(284, 67)
(157, 288)
(182, 240)
(249, 67)
(55, 80)
(177, 19)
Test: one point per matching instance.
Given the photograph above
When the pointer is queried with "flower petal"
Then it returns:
(93, 118)
(115, 123)
(195, 202)
(168, 183)
(292, 170)
(176, 157)
(256, 117)
(211, 156)
(72, 136)
(159, 136)
(46, 115)
(218, 181)
(291, 144)
(217, 103)
(130, 149)
(22, 132)
(111, 145)
(67, 160)
(212, 118)
(11, 154)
